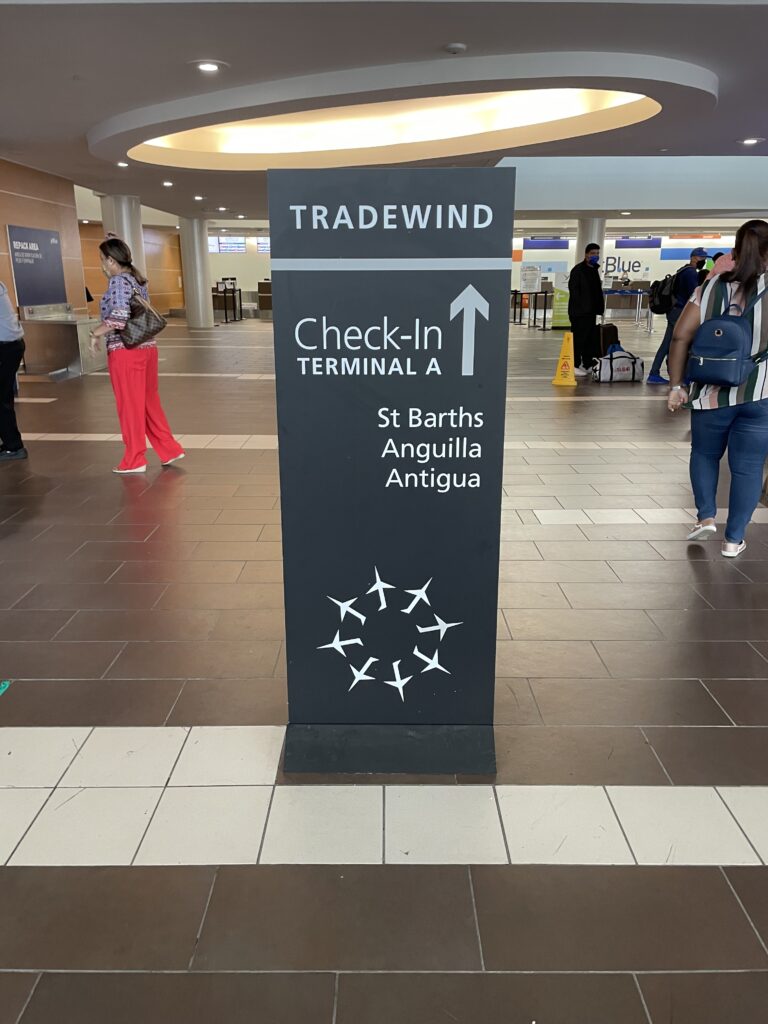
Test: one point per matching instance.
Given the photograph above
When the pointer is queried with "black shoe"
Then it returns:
(8, 456)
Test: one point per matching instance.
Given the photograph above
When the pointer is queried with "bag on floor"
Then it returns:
(617, 366)
(721, 353)
(608, 338)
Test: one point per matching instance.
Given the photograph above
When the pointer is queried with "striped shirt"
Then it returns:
(115, 308)
(710, 301)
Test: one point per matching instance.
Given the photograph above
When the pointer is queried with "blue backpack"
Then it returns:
(721, 353)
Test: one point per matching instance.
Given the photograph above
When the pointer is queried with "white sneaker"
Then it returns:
(128, 472)
(176, 458)
(579, 371)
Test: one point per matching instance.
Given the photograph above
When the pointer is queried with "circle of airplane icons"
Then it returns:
(424, 662)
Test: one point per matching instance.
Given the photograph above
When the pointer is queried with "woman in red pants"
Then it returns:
(133, 371)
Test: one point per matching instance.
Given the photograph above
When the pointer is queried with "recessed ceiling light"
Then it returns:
(751, 142)
(223, 229)
(208, 65)
(199, 199)
(222, 209)
(167, 184)
(241, 216)
(626, 213)
(121, 163)
(86, 222)
(177, 227)
(455, 48)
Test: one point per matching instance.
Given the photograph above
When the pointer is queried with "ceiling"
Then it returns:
(117, 74)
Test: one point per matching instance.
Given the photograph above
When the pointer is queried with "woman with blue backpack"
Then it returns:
(718, 370)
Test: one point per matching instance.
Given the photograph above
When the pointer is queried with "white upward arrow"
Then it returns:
(470, 303)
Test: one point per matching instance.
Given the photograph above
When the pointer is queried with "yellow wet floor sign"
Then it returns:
(564, 375)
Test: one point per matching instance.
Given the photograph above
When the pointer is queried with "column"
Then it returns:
(591, 229)
(121, 215)
(196, 271)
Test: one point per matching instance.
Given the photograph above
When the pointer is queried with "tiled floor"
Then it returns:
(160, 866)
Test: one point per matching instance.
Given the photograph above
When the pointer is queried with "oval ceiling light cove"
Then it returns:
(397, 131)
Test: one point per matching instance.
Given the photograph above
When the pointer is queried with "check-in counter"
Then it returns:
(58, 343)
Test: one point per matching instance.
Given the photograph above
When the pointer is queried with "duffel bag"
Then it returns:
(616, 367)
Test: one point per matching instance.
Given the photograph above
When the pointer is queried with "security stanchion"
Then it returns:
(564, 375)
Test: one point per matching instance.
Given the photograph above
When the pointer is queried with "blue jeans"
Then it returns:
(672, 317)
(743, 430)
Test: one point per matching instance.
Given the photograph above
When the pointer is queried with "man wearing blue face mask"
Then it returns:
(686, 281)
(586, 303)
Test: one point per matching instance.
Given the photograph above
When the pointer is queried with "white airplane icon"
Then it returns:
(359, 674)
(441, 625)
(398, 682)
(432, 662)
(346, 606)
(337, 644)
(418, 596)
(379, 587)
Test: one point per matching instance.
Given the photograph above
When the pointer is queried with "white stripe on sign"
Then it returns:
(462, 263)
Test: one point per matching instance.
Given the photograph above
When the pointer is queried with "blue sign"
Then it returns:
(38, 269)
(545, 243)
(678, 255)
(638, 243)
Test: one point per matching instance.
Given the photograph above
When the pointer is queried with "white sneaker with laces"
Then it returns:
(579, 371)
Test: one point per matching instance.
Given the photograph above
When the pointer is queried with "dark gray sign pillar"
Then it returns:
(391, 310)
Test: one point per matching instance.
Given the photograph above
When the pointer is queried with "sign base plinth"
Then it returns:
(390, 749)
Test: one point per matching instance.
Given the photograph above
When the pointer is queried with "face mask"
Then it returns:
(593, 261)
(701, 264)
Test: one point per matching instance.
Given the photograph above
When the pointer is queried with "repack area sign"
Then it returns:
(38, 268)
(391, 312)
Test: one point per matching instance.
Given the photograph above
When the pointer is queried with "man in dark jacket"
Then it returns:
(687, 280)
(585, 304)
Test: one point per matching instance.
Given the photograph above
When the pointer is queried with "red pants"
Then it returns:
(134, 380)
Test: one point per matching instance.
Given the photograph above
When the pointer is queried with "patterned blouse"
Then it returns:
(115, 308)
(710, 299)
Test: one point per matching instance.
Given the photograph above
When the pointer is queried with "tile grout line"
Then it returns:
(655, 754)
(62, 628)
(335, 998)
(266, 822)
(28, 1000)
(642, 998)
(501, 822)
(738, 899)
(114, 660)
(45, 803)
(178, 698)
(738, 823)
(622, 973)
(203, 919)
(163, 791)
(621, 826)
(477, 922)
(758, 653)
(714, 698)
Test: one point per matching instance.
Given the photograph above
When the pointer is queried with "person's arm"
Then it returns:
(685, 329)
(118, 309)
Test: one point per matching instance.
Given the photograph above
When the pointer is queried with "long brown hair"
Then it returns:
(116, 249)
(750, 253)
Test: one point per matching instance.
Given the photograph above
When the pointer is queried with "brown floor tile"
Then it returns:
(231, 702)
(178, 572)
(150, 517)
(515, 703)
(219, 534)
(531, 595)
(677, 550)
(745, 700)
(11, 592)
(14, 993)
(581, 624)
(693, 572)
(536, 658)
(665, 659)
(488, 999)
(706, 998)
(762, 648)
(101, 919)
(751, 597)
(612, 919)
(76, 702)
(92, 596)
(254, 551)
(53, 552)
(723, 624)
(64, 572)
(46, 660)
(223, 596)
(125, 552)
(249, 516)
(756, 571)
(267, 624)
(626, 702)
(240, 502)
(140, 625)
(593, 551)
(77, 533)
(713, 757)
(751, 885)
(196, 660)
(349, 918)
(262, 572)
(557, 572)
(183, 999)
(32, 625)
(632, 595)
(545, 756)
